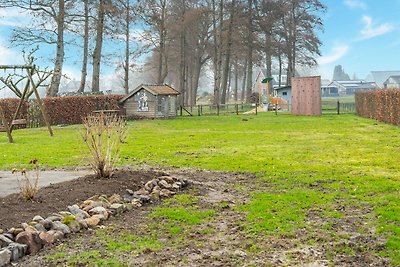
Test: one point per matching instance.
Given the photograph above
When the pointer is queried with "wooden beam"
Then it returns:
(42, 109)
(3, 67)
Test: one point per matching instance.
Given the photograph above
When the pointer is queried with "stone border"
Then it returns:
(31, 237)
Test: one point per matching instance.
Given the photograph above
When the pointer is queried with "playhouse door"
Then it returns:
(166, 107)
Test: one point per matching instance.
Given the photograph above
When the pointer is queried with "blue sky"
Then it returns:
(360, 35)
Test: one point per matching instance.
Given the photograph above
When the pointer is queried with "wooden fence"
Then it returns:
(222, 109)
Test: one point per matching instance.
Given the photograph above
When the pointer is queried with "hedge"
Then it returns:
(71, 109)
(382, 105)
(10, 105)
(62, 110)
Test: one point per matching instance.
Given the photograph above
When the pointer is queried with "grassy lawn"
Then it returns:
(354, 160)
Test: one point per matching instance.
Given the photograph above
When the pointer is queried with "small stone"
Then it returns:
(65, 213)
(15, 231)
(30, 228)
(136, 204)
(38, 218)
(92, 221)
(39, 227)
(102, 217)
(115, 198)
(103, 198)
(57, 225)
(47, 237)
(31, 239)
(17, 250)
(166, 193)
(99, 210)
(129, 206)
(177, 185)
(47, 224)
(142, 192)
(77, 212)
(5, 257)
(127, 198)
(155, 195)
(82, 223)
(164, 184)
(5, 241)
(74, 226)
(9, 236)
(54, 218)
(1, 231)
(119, 208)
(149, 186)
(169, 179)
(144, 199)
(94, 204)
(129, 191)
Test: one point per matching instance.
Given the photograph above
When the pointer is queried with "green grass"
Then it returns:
(307, 163)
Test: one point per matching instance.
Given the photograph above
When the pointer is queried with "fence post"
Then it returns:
(338, 107)
(181, 110)
(237, 109)
(198, 110)
(217, 109)
(256, 109)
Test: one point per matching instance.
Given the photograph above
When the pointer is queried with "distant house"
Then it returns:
(379, 77)
(350, 87)
(393, 82)
(284, 92)
(151, 101)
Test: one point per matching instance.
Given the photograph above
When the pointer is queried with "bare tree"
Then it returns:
(47, 27)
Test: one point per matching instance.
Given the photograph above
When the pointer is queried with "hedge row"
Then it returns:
(10, 105)
(382, 105)
(64, 110)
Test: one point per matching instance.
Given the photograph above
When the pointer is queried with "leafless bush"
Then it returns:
(28, 185)
(103, 135)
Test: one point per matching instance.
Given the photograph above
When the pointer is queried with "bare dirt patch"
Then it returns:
(219, 241)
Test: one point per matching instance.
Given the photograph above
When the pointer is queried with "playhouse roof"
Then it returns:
(153, 89)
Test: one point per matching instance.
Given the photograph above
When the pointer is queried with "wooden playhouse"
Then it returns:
(151, 101)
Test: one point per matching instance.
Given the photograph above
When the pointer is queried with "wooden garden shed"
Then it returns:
(151, 101)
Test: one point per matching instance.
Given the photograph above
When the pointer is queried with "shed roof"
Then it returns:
(153, 89)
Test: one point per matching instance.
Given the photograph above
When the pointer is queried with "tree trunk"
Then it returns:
(59, 60)
(85, 49)
(249, 87)
(236, 86)
(162, 57)
(268, 59)
(227, 55)
(217, 50)
(127, 50)
(242, 97)
(98, 47)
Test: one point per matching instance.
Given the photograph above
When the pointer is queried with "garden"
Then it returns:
(262, 190)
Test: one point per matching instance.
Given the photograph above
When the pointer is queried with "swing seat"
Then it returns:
(19, 122)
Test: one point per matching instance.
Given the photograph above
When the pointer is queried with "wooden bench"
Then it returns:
(19, 122)
(2, 128)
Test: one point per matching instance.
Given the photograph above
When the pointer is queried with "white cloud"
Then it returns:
(9, 56)
(370, 30)
(355, 4)
(335, 54)
(14, 17)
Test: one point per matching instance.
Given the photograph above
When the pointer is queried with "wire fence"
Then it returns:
(328, 107)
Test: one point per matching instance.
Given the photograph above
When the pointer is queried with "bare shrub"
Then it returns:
(28, 185)
(103, 135)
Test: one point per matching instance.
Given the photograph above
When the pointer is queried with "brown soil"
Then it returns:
(222, 241)
(57, 197)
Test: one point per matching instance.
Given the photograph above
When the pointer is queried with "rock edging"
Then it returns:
(31, 237)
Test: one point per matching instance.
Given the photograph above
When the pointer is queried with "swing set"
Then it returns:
(14, 82)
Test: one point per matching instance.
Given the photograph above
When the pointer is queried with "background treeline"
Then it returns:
(178, 42)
